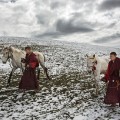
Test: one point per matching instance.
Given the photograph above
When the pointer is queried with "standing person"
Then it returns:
(29, 79)
(112, 78)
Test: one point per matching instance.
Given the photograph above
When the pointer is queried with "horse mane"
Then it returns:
(16, 49)
(97, 57)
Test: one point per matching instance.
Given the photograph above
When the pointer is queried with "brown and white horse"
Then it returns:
(15, 55)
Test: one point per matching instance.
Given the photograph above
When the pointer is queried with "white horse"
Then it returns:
(15, 55)
(97, 65)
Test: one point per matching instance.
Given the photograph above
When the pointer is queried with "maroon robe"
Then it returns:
(113, 77)
(29, 80)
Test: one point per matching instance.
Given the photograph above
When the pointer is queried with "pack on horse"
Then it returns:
(97, 65)
(16, 55)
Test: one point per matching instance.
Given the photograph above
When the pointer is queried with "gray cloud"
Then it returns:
(51, 34)
(6, 1)
(84, 1)
(112, 25)
(64, 28)
(109, 4)
(42, 19)
(61, 19)
(108, 39)
(70, 27)
(57, 4)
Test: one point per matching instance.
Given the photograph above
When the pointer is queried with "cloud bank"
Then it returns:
(93, 21)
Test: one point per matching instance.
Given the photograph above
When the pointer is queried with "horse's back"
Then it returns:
(104, 64)
(39, 56)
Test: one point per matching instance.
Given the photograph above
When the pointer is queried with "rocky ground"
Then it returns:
(70, 95)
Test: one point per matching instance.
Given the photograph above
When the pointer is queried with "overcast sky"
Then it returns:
(94, 21)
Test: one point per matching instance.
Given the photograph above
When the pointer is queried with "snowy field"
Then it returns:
(70, 95)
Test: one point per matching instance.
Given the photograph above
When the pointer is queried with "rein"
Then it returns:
(94, 67)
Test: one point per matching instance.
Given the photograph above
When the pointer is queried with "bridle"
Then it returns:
(93, 67)
(9, 55)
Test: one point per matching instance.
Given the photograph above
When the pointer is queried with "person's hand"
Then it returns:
(22, 60)
(27, 66)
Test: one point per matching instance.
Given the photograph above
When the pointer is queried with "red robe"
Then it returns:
(29, 80)
(113, 76)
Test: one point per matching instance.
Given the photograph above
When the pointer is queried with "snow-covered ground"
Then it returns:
(70, 95)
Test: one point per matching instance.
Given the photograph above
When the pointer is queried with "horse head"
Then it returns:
(6, 54)
(91, 61)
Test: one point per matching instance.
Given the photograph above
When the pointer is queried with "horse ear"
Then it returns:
(94, 55)
(10, 48)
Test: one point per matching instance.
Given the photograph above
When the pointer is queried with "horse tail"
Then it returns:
(44, 58)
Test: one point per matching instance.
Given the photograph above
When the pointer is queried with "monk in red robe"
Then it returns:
(112, 78)
(29, 80)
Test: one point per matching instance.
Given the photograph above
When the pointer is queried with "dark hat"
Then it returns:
(28, 48)
(113, 53)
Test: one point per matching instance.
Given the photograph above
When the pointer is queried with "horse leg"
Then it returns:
(97, 87)
(38, 74)
(97, 78)
(45, 70)
(9, 79)
(22, 70)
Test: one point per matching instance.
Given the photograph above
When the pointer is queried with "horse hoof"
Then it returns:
(49, 79)
(7, 86)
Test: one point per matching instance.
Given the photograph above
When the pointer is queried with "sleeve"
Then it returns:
(107, 73)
